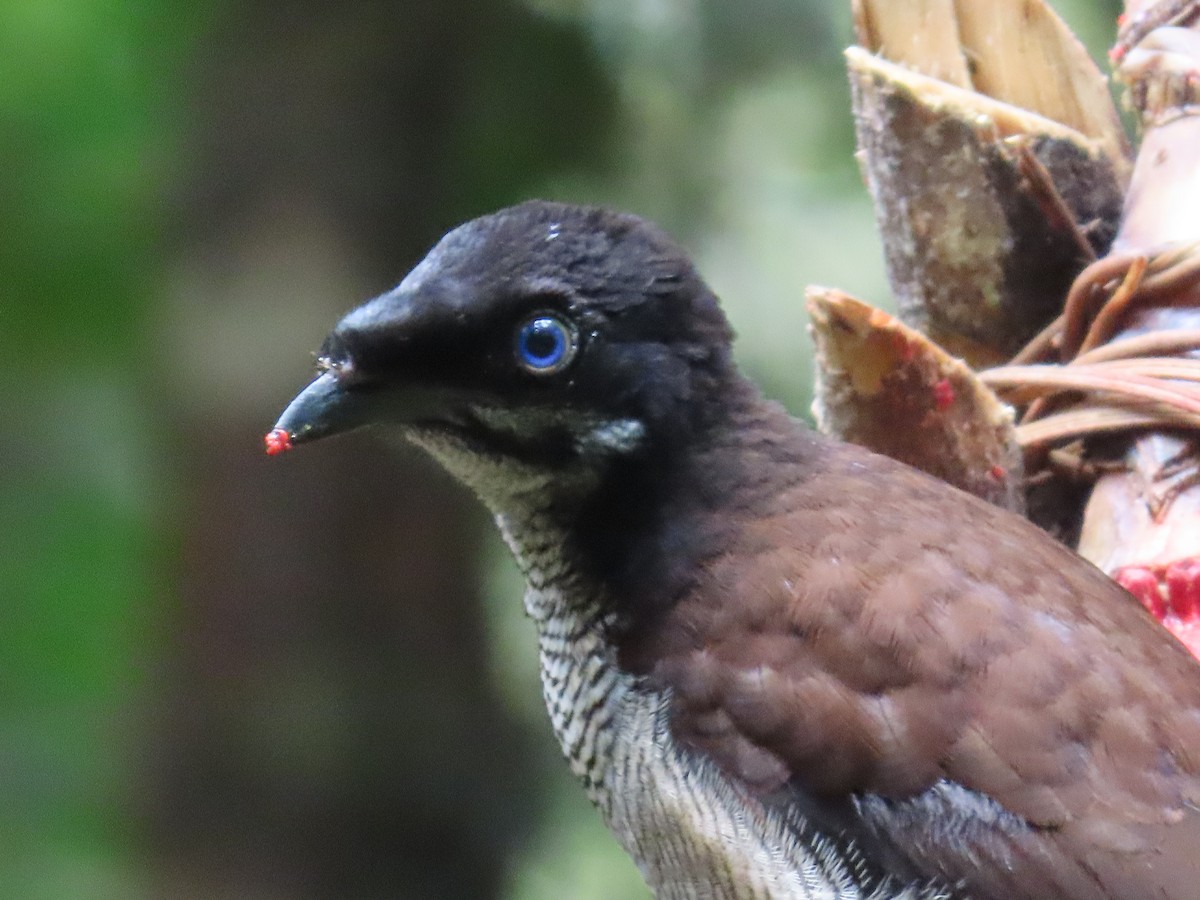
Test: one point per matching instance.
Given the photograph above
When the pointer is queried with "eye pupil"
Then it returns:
(545, 344)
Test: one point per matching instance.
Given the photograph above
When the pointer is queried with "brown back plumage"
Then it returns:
(866, 630)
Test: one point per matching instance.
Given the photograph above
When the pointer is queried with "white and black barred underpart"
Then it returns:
(693, 833)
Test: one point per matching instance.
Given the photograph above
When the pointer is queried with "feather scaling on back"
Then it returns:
(781, 666)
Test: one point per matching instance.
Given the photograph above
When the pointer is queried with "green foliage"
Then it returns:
(89, 93)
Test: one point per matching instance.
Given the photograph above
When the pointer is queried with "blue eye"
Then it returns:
(546, 344)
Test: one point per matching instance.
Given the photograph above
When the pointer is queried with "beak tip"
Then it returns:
(321, 409)
(278, 440)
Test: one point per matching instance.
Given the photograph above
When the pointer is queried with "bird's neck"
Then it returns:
(693, 833)
(602, 559)
(581, 684)
(655, 522)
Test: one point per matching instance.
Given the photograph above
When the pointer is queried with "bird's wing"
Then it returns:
(966, 680)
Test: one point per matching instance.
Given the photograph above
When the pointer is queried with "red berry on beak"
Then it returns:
(278, 441)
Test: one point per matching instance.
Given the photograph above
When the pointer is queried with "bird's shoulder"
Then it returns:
(867, 630)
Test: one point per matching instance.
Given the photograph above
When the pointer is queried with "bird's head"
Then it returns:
(540, 339)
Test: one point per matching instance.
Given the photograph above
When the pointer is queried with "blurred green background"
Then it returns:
(223, 676)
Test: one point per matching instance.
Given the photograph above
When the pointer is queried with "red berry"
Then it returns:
(278, 441)
(1143, 584)
(1183, 588)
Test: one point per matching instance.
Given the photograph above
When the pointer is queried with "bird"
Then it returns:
(780, 665)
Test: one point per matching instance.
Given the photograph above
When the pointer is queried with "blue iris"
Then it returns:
(545, 344)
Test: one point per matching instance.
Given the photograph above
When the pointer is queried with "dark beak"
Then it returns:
(323, 408)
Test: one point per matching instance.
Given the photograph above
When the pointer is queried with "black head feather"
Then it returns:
(651, 334)
(601, 446)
